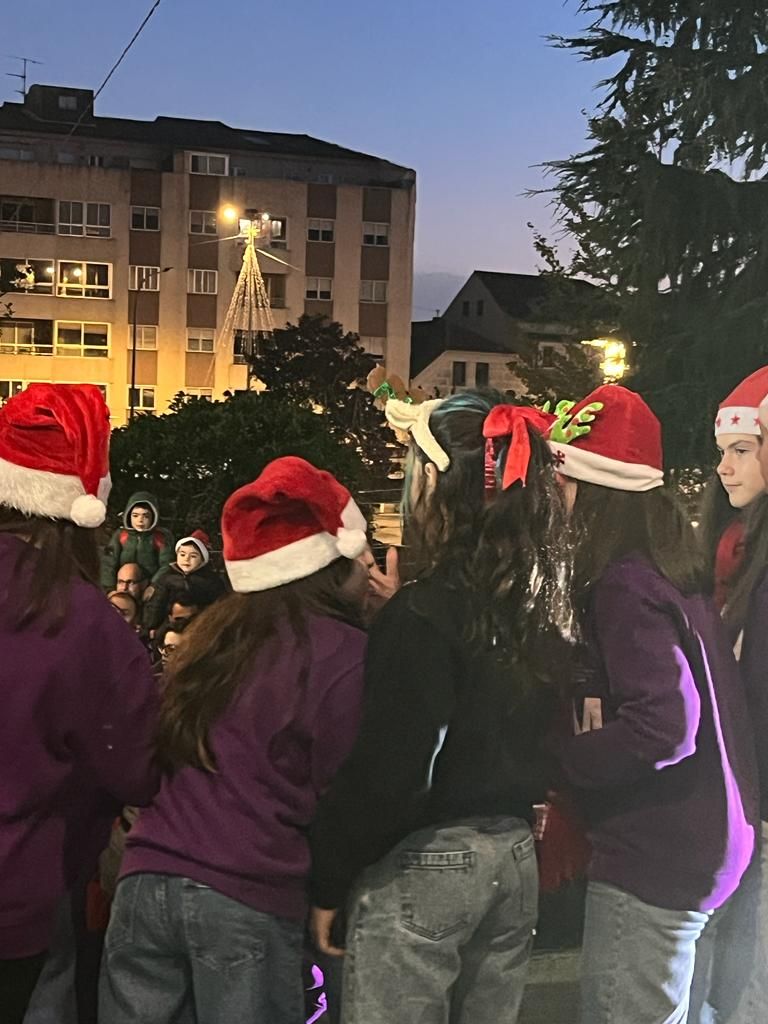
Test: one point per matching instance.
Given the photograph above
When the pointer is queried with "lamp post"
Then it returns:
(140, 282)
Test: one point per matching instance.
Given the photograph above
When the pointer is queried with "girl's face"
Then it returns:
(570, 488)
(762, 454)
(739, 468)
(188, 558)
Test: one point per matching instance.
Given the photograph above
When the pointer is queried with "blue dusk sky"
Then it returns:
(468, 94)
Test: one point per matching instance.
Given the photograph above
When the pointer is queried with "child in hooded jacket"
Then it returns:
(140, 540)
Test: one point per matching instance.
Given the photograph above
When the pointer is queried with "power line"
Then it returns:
(113, 69)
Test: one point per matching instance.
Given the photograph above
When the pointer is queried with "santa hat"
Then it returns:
(288, 524)
(201, 541)
(610, 438)
(54, 453)
(738, 413)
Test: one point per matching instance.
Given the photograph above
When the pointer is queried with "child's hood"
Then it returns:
(142, 498)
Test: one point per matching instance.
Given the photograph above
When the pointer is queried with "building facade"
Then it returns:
(113, 229)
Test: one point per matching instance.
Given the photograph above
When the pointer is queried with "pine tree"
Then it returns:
(669, 205)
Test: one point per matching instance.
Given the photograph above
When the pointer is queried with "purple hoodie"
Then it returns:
(754, 667)
(78, 715)
(669, 783)
(243, 829)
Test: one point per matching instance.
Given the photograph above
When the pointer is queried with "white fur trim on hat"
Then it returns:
(581, 464)
(200, 545)
(36, 492)
(737, 419)
(301, 558)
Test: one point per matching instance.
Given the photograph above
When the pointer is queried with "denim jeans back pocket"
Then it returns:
(434, 891)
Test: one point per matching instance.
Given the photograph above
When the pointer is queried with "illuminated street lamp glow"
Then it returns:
(614, 362)
(229, 214)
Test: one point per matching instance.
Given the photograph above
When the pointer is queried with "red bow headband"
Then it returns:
(511, 421)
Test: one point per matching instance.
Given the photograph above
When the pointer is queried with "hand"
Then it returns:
(384, 585)
(321, 925)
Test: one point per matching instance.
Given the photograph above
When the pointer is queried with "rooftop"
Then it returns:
(517, 294)
(41, 112)
(429, 338)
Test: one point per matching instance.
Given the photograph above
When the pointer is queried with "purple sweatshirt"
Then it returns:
(243, 829)
(669, 783)
(754, 667)
(78, 715)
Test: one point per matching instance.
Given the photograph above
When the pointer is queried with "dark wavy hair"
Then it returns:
(220, 648)
(56, 553)
(511, 552)
(610, 524)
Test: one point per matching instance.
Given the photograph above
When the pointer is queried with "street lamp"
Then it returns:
(141, 280)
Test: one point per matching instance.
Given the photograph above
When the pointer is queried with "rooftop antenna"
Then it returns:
(21, 75)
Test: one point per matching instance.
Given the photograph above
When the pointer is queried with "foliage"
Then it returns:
(315, 364)
(194, 457)
(669, 206)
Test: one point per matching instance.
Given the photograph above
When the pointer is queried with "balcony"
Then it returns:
(32, 215)
(28, 227)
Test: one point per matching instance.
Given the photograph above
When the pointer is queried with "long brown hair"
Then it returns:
(56, 552)
(510, 552)
(610, 524)
(220, 647)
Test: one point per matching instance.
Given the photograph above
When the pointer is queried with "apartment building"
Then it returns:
(114, 229)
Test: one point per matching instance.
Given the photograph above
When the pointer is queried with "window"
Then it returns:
(375, 234)
(145, 218)
(480, 307)
(84, 280)
(279, 233)
(21, 213)
(9, 388)
(142, 399)
(66, 158)
(209, 163)
(146, 337)
(202, 282)
(465, 309)
(201, 339)
(373, 344)
(482, 375)
(202, 222)
(81, 339)
(459, 374)
(143, 279)
(27, 276)
(319, 288)
(275, 285)
(92, 219)
(18, 339)
(95, 160)
(547, 356)
(205, 393)
(67, 102)
(373, 291)
(320, 230)
(15, 153)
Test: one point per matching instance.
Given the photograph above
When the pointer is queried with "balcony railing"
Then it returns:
(28, 227)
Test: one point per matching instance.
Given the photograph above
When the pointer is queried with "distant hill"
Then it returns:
(433, 292)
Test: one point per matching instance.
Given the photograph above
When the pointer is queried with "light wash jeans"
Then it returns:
(179, 952)
(637, 959)
(440, 930)
(734, 969)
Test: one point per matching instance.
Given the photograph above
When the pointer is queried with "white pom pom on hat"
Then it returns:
(87, 510)
(288, 524)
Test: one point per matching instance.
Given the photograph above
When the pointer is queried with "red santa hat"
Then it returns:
(200, 540)
(739, 412)
(54, 453)
(615, 444)
(288, 524)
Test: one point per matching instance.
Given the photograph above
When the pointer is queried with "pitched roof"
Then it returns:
(517, 294)
(430, 338)
(185, 133)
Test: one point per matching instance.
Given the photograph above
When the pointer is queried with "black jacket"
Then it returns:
(444, 736)
(203, 587)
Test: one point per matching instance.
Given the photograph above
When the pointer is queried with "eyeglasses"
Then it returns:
(168, 648)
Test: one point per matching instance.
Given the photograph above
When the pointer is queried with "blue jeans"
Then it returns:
(440, 930)
(179, 952)
(637, 959)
